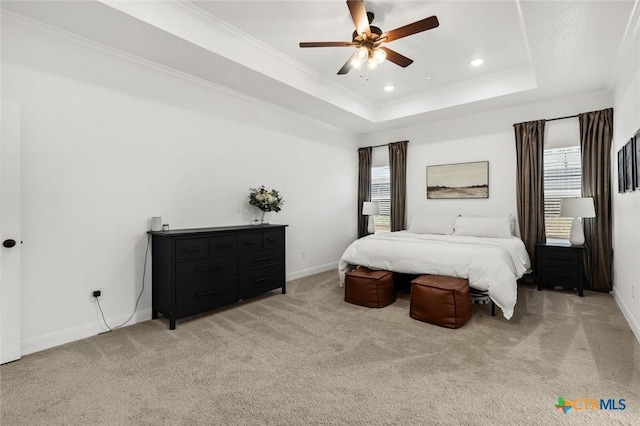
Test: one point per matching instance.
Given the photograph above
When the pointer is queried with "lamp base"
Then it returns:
(371, 227)
(576, 236)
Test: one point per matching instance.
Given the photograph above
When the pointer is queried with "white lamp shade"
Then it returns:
(370, 208)
(577, 207)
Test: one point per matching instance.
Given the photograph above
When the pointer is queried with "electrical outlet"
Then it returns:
(303, 255)
(95, 294)
(633, 291)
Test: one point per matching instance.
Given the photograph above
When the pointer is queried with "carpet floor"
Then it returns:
(308, 357)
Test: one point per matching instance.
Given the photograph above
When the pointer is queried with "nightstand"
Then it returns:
(560, 264)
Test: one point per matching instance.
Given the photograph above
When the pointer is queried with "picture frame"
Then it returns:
(458, 180)
(629, 160)
(636, 163)
(621, 172)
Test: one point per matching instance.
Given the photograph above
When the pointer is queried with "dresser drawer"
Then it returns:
(205, 268)
(192, 248)
(555, 272)
(273, 239)
(258, 259)
(223, 245)
(260, 280)
(558, 256)
(555, 278)
(207, 294)
(249, 242)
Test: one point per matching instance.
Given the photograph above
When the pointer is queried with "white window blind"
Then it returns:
(381, 192)
(562, 179)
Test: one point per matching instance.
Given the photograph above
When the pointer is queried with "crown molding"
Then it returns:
(259, 44)
(523, 30)
(76, 39)
(490, 86)
(628, 47)
(195, 26)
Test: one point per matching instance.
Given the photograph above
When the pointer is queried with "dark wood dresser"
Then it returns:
(560, 265)
(195, 270)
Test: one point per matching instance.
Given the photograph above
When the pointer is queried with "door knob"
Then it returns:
(9, 243)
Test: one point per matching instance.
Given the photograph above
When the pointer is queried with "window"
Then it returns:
(381, 192)
(562, 179)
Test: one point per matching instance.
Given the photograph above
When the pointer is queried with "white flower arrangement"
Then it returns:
(267, 201)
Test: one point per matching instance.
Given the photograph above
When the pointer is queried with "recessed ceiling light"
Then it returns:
(477, 62)
(389, 88)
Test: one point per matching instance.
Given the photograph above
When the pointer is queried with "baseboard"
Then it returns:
(626, 312)
(58, 338)
(315, 270)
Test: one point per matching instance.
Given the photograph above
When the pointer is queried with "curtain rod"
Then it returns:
(561, 118)
(384, 144)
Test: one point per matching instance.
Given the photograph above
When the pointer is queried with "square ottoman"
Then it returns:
(439, 300)
(366, 287)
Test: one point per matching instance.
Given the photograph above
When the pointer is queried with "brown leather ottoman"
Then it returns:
(366, 287)
(443, 301)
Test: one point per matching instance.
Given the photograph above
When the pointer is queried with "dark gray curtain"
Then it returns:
(596, 129)
(530, 184)
(364, 187)
(398, 174)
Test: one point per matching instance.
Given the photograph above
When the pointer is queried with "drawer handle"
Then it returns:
(223, 246)
(192, 249)
(251, 242)
(259, 280)
(206, 293)
(212, 268)
(262, 259)
(274, 239)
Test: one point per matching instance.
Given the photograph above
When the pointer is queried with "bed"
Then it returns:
(491, 264)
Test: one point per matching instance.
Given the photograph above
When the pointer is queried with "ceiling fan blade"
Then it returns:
(347, 66)
(327, 44)
(359, 16)
(416, 27)
(396, 58)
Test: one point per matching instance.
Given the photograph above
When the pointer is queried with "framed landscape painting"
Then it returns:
(460, 180)
(628, 166)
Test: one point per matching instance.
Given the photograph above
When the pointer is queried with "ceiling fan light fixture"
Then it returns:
(362, 53)
(379, 55)
(367, 39)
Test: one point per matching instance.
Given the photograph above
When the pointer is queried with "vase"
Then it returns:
(262, 217)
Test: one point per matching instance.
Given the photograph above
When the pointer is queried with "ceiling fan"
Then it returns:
(368, 39)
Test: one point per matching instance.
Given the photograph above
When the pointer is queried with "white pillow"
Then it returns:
(473, 226)
(442, 225)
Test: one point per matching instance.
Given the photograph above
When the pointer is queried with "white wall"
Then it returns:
(626, 206)
(109, 142)
(482, 137)
(499, 150)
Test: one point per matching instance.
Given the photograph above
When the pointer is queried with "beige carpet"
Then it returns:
(308, 357)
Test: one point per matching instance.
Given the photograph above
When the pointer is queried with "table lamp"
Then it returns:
(371, 208)
(577, 208)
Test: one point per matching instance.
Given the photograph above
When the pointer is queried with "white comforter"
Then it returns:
(490, 264)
